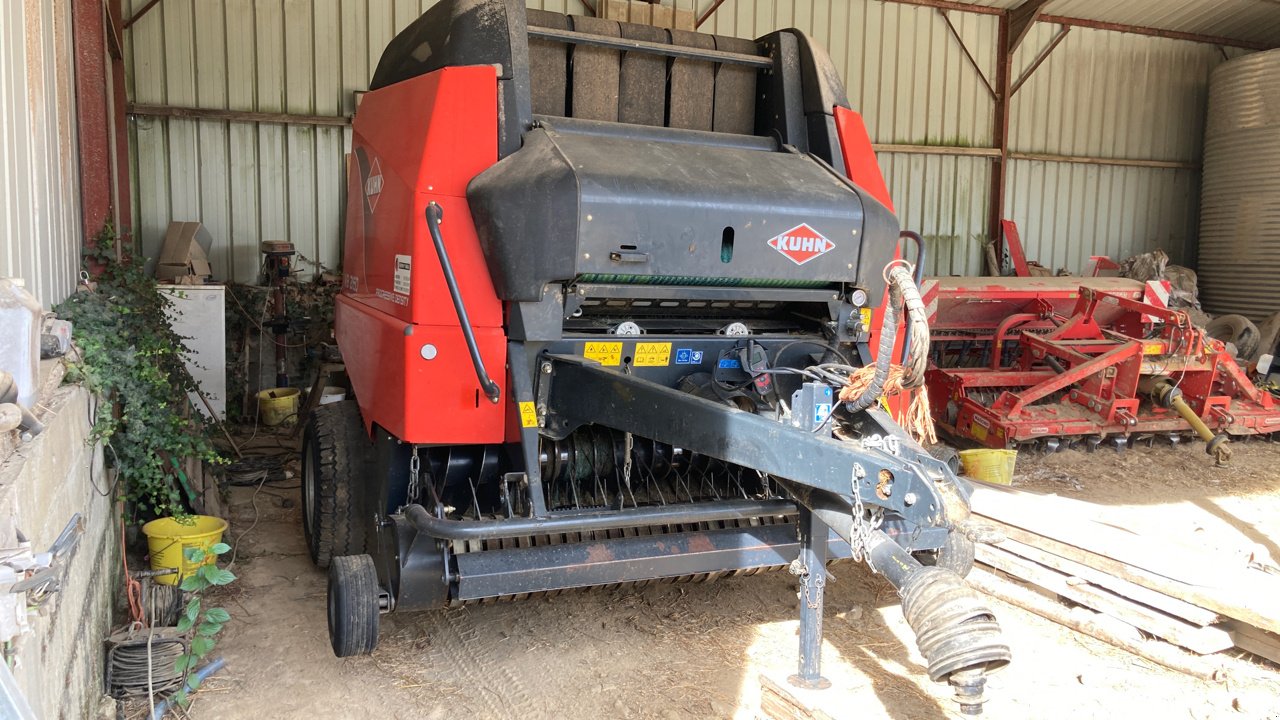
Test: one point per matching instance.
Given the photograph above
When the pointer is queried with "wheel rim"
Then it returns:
(308, 487)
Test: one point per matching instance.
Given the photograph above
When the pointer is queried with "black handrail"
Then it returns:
(434, 214)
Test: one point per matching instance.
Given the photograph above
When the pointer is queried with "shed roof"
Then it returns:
(1249, 21)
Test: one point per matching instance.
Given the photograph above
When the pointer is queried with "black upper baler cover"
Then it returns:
(594, 198)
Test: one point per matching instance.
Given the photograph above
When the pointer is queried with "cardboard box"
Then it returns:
(184, 254)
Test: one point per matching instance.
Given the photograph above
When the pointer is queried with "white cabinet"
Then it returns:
(197, 313)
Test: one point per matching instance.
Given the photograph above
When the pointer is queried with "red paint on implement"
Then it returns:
(859, 156)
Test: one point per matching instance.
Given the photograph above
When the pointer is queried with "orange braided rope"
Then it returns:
(915, 417)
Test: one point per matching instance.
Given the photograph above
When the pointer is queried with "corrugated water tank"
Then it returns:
(1239, 258)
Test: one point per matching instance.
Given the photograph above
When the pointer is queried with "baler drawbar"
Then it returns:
(603, 284)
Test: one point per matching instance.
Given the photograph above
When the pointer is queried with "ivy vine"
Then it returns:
(130, 356)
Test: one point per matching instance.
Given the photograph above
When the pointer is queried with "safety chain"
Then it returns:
(414, 466)
(628, 444)
(813, 587)
(864, 524)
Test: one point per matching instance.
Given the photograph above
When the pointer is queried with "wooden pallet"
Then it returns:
(1152, 581)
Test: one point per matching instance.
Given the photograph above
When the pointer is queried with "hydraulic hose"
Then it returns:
(904, 298)
(918, 278)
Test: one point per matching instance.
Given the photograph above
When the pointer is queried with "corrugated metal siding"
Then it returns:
(909, 78)
(250, 182)
(1107, 95)
(39, 183)
(1240, 233)
(1255, 20)
(1100, 94)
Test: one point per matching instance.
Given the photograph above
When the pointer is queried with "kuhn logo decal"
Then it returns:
(373, 184)
(801, 244)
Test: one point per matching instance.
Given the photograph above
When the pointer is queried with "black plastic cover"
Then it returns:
(606, 203)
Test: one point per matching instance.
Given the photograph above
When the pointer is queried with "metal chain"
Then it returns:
(414, 468)
(628, 444)
(863, 526)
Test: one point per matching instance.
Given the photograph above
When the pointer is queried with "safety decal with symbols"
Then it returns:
(652, 354)
(605, 353)
(528, 415)
(688, 356)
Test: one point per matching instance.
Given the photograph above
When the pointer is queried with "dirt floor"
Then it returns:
(697, 650)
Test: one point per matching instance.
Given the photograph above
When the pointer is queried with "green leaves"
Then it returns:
(215, 575)
(220, 548)
(132, 357)
(217, 615)
(201, 645)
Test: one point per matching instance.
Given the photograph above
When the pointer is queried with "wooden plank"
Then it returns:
(640, 13)
(780, 700)
(1178, 608)
(1202, 640)
(1089, 623)
(1077, 523)
(1251, 639)
(663, 16)
(1256, 600)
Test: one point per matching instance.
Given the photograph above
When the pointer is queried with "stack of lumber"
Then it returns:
(1080, 564)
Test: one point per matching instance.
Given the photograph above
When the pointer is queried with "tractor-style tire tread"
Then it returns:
(334, 522)
(353, 605)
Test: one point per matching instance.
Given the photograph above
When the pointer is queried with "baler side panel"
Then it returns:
(416, 142)
(431, 402)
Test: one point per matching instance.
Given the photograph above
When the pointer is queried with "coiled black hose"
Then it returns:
(133, 670)
(904, 298)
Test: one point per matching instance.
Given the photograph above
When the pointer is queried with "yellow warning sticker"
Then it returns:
(605, 353)
(653, 354)
(1153, 348)
(865, 313)
(528, 415)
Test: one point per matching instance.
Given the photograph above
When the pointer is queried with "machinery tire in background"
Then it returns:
(957, 555)
(353, 605)
(336, 455)
(1237, 330)
(946, 454)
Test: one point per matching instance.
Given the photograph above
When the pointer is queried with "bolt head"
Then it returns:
(910, 499)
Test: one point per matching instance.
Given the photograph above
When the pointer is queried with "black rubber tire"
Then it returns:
(1237, 330)
(353, 605)
(946, 454)
(956, 555)
(336, 458)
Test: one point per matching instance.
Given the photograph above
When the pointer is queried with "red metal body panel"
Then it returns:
(859, 156)
(415, 142)
(1013, 246)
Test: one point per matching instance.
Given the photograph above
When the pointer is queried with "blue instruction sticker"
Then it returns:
(729, 362)
(687, 356)
(820, 413)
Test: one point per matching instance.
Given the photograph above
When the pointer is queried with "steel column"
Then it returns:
(811, 566)
(1000, 134)
(101, 133)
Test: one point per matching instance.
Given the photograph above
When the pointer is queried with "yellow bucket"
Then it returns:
(993, 466)
(169, 538)
(279, 406)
